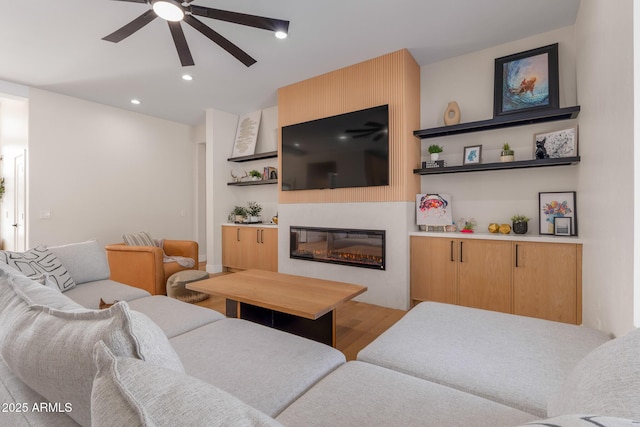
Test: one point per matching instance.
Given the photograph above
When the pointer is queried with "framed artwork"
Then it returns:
(555, 205)
(526, 81)
(246, 134)
(556, 144)
(472, 154)
(562, 226)
(433, 209)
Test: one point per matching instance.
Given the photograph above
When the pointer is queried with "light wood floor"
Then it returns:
(357, 323)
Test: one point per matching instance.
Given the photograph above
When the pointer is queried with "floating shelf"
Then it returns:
(259, 156)
(564, 161)
(510, 120)
(260, 182)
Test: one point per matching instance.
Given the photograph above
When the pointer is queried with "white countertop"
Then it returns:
(259, 225)
(499, 236)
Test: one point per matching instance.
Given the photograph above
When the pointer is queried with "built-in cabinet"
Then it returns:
(248, 246)
(536, 279)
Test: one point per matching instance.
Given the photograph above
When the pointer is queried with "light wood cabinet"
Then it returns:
(533, 279)
(245, 247)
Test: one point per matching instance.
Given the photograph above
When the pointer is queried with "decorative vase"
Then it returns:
(452, 114)
(520, 227)
(435, 157)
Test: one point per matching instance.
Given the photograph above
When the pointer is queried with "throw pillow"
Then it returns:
(85, 261)
(36, 261)
(138, 239)
(130, 392)
(604, 382)
(51, 350)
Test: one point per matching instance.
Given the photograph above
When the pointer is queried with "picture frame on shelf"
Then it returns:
(526, 81)
(562, 226)
(246, 134)
(472, 155)
(554, 205)
(556, 144)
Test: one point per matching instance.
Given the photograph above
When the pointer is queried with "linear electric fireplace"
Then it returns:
(357, 248)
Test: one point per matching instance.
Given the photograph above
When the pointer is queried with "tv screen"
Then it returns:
(348, 150)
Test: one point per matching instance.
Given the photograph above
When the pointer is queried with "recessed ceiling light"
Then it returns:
(187, 77)
(281, 34)
(169, 10)
(135, 101)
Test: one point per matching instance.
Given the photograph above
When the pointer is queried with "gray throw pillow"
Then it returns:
(85, 261)
(130, 392)
(51, 350)
(37, 261)
(138, 239)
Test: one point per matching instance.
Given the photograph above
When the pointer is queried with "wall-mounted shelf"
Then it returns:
(516, 119)
(564, 161)
(259, 156)
(259, 182)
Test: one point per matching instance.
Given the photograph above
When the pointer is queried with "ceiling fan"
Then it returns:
(175, 11)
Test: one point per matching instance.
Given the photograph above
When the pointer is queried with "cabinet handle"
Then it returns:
(461, 251)
(451, 252)
(517, 256)
(258, 236)
(261, 236)
(238, 234)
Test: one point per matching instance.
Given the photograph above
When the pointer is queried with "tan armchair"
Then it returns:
(143, 266)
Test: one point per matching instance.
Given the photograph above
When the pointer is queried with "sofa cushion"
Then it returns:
(88, 294)
(138, 239)
(361, 394)
(36, 261)
(174, 317)
(271, 368)
(580, 420)
(130, 392)
(515, 360)
(606, 381)
(50, 350)
(85, 261)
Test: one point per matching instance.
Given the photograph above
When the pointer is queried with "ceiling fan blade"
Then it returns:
(181, 44)
(234, 50)
(131, 27)
(241, 18)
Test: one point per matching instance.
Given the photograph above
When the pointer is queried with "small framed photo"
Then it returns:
(472, 154)
(554, 206)
(556, 144)
(562, 226)
(526, 81)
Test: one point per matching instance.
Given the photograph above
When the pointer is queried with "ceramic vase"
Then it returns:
(452, 114)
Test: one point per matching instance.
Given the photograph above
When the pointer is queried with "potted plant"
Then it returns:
(255, 175)
(435, 150)
(506, 155)
(239, 212)
(467, 225)
(520, 224)
(253, 210)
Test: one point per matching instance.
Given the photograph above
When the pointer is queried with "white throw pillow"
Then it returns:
(130, 392)
(51, 350)
(37, 261)
(138, 239)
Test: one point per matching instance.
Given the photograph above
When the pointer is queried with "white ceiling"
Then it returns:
(56, 45)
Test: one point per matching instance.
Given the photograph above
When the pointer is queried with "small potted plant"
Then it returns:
(520, 224)
(506, 155)
(239, 213)
(253, 210)
(467, 225)
(255, 175)
(435, 150)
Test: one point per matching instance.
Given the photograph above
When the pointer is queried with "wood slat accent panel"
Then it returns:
(392, 79)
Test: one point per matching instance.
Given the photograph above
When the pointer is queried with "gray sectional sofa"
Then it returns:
(155, 361)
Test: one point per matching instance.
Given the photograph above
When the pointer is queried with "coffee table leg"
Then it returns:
(233, 308)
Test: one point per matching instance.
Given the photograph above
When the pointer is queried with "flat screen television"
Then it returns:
(348, 150)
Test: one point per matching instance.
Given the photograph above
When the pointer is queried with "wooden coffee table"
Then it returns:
(300, 305)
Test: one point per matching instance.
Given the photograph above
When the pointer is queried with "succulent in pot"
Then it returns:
(520, 224)
(506, 155)
(435, 150)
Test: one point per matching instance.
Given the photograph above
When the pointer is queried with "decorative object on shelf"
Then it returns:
(2, 187)
(255, 175)
(237, 178)
(520, 224)
(505, 229)
(506, 155)
(557, 144)
(253, 211)
(557, 205)
(433, 209)
(435, 150)
(526, 81)
(239, 212)
(274, 219)
(562, 226)
(467, 225)
(472, 154)
(493, 227)
(246, 134)
(436, 164)
(452, 114)
(439, 228)
(270, 172)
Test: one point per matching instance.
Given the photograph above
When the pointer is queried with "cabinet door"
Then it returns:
(267, 249)
(230, 246)
(484, 274)
(546, 281)
(433, 269)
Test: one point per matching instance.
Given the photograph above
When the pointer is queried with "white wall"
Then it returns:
(604, 34)
(101, 172)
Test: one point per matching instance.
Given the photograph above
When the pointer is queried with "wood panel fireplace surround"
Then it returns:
(352, 247)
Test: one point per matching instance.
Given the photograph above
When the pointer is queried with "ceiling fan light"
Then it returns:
(168, 10)
(281, 35)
